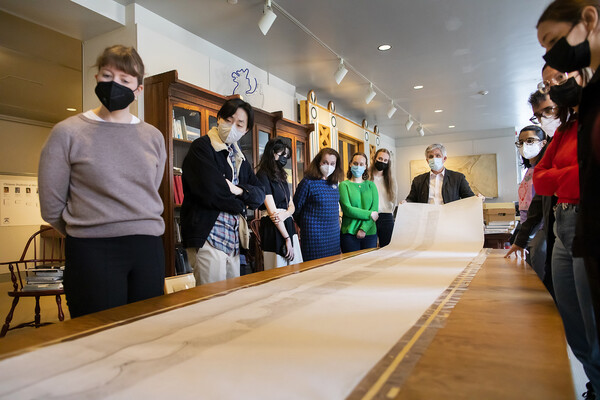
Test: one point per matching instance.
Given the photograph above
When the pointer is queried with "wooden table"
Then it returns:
(503, 340)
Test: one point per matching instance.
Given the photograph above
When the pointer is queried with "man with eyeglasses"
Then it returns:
(545, 112)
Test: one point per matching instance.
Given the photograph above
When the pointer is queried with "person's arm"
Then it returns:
(368, 224)
(272, 209)
(253, 194)
(347, 208)
(54, 174)
(464, 189)
(162, 159)
(300, 198)
(545, 176)
(535, 215)
(206, 182)
(413, 196)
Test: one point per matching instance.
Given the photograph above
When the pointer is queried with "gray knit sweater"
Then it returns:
(100, 179)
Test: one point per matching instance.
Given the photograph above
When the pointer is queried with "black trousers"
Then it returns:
(102, 273)
(385, 227)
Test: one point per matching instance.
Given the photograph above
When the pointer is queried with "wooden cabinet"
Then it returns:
(182, 111)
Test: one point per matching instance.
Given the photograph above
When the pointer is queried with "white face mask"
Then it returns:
(550, 125)
(436, 163)
(229, 133)
(327, 169)
(529, 151)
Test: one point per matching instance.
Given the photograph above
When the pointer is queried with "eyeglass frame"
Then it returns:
(545, 89)
(529, 140)
(537, 117)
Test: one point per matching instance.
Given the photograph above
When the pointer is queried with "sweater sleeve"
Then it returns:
(54, 177)
(204, 180)
(254, 193)
(162, 159)
(545, 176)
(347, 208)
(300, 197)
(370, 224)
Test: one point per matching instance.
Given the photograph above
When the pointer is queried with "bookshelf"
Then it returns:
(183, 112)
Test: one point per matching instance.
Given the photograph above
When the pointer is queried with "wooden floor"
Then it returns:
(503, 340)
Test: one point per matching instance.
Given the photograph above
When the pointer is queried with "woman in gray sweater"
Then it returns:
(99, 176)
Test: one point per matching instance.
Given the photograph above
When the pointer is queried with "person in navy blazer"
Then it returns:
(441, 185)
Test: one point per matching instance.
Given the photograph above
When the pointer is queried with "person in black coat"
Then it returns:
(440, 186)
(218, 185)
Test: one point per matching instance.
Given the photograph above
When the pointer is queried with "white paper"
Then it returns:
(312, 335)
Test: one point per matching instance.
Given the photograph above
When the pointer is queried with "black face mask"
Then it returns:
(380, 166)
(282, 160)
(566, 95)
(114, 96)
(566, 58)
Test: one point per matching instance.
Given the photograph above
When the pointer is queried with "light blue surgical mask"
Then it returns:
(435, 163)
(357, 170)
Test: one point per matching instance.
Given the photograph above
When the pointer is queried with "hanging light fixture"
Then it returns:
(370, 94)
(391, 110)
(409, 123)
(420, 130)
(341, 72)
(267, 19)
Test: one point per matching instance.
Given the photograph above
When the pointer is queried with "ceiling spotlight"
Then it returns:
(384, 47)
(417, 87)
(451, 126)
(409, 123)
(391, 110)
(438, 111)
(483, 92)
(420, 130)
(341, 72)
(267, 19)
(370, 94)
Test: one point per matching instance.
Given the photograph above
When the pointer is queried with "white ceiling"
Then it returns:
(455, 48)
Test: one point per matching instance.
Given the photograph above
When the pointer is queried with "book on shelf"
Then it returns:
(192, 134)
(177, 225)
(179, 188)
(178, 201)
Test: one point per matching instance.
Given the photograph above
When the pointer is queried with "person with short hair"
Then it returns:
(441, 185)
(359, 201)
(317, 206)
(99, 176)
(218, 185)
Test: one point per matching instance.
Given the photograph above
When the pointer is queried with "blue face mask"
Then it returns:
(357, 170)
(435, 163)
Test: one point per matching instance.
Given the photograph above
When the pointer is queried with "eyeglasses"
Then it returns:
(558, 79)
(529, 140)
(548, 112)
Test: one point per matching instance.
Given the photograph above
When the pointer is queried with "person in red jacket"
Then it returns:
(557, 173)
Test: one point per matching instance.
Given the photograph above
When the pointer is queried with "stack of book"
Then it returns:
(500, 227)
(44, 277)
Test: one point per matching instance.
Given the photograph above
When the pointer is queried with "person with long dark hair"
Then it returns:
(569, 30)
(317, 206)
(382, 175)
(359, 201)
(99, 176)
(278, 237)
(218, 185)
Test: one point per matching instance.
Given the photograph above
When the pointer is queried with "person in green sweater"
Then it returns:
(360, 201)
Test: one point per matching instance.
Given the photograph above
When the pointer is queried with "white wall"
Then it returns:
(498, 141)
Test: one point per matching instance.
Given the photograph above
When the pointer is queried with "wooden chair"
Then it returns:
(47, 248)
(179, 282)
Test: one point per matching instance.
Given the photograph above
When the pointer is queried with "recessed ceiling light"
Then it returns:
(451, 126)
(384, 47)
(438, 111)
(417, 87)
(71, 109)
(483, 92)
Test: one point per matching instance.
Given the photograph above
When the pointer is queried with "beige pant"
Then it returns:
(212, 265)
(274, 260)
